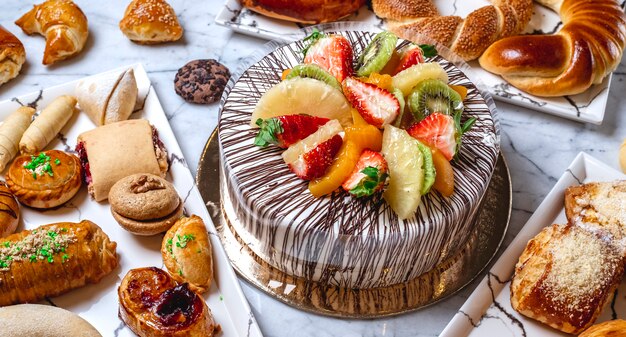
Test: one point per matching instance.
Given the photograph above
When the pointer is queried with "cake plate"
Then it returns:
(445, 279)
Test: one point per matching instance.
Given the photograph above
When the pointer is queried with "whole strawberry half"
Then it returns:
(441, 131)
(311, 157)
(369, 175)
(409, 56)
(377, 106)
(331, 52)
(283, 131)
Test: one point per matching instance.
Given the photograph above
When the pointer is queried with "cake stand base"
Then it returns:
(445, 279)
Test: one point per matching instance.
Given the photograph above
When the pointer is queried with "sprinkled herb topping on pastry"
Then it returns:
(37, 245)
(40, 165)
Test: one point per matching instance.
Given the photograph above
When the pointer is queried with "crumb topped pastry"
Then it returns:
(46, 180)
(150, 22)
(565, 276)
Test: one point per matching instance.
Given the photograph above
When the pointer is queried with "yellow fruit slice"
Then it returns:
(444, 180)
(406, 175)
(461, 90)
(303, 96)
(408, 78)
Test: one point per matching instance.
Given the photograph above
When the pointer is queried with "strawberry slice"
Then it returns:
(369, 175)
(409, 56)
(311, 157)
(377, 106)
(331, 52)
(441, 131)
(286, 130)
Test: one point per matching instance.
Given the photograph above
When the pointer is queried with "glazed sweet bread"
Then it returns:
(467, 37)
(565, 277)
(615, 328)
(588, 47)
(12, 55)
(304, 11)
(62, 23)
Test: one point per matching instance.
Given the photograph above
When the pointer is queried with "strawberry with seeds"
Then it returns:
(283, 131)
(369, 175)
(331, 52)
(412, 54)
(377, 106)
(442, 132)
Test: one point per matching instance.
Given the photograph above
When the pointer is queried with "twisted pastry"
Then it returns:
(62, 23)
(469, 37)
(588, 47)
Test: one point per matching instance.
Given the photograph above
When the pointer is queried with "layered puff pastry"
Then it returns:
(615, 328)
(12, 55)
(565, 276)
(53, 259)
(150, 22)
(46, 180)
(152, 304)
(111, 152)
(187, 254)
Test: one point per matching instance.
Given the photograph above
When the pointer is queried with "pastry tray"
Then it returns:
(588, 106)
(488, 312)
(98, 303)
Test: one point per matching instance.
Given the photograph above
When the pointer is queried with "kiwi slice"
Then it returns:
(376, 54)
(400, 97)
(428, 166)
(315, 72)
(433, 95)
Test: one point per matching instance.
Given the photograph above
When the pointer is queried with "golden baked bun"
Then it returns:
(565, 277)
(43, 321)
(187, 254)
(62, 23)
(304, 11)
(150, 22)
(153, 305)
(9, 211)
(12, 55)
(615, 328)
(46, 180)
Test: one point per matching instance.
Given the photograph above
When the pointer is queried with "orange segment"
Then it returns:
(444, 181)
(367, 136)
(338, 172)
(285, 74)
(461, 90)
(357, 119)
(380, 80)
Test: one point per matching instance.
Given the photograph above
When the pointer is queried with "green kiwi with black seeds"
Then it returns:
(377, 53)
(433, 95)
(315, 72)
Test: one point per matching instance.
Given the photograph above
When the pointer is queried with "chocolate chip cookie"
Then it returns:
(201, 81)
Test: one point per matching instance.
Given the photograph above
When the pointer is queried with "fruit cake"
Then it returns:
(355, 159)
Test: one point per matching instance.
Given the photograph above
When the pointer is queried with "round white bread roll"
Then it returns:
(43, 321)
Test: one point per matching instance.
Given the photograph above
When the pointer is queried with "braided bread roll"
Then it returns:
(588, 47)
(469, 37)
(62, 23)
(52, 260)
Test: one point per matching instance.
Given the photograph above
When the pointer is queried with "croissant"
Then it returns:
(419, 21)
(12, 55)
(62, 23)
(588, 47)
(53, 259)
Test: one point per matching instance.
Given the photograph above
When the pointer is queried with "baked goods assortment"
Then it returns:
(587, 48)
(153, 304)
(47, 125)
(150, 22)
(420, 21)
(11, 131)
(9, 211)
(567, 274)
(12, 55)
(145, 204)
(111, 152)
(43, 320)
(304, 11)
(187, 254)
(53, 259)
(46, 180)
(62, 23)
(307, 165)
(108, 99)
(201, 81)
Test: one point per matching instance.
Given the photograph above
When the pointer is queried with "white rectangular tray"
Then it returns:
(487, 312)
(588, 106)
(98, 303)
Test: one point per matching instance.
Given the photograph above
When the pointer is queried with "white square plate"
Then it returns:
(487, 312)
(98, 303)
(588, 106)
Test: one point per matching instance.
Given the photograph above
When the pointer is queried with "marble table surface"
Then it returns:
(538, 147)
